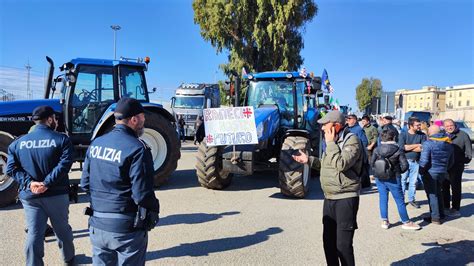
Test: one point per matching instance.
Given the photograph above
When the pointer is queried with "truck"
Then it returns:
(286, 108)
(85, 102)
(189, 101)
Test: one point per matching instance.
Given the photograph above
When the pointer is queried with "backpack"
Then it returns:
(383, 168)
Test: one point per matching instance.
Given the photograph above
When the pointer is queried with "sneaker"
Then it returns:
(453, 213)
(414, 204)
(385, 224)
(410, 226)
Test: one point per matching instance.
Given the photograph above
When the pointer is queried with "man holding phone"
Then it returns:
(340, 166)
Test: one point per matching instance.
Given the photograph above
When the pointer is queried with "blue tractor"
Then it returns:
(86, 102)
(286, 111)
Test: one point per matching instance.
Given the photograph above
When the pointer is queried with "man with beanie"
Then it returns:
(40, 162)
(118, 175)
(462, 155)
(341, 166)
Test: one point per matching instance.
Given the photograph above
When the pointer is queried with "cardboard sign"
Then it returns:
(230, 126)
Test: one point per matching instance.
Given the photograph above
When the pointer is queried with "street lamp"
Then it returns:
(115, 28)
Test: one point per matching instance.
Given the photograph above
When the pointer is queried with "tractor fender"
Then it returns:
(157, 108)
(7, 134)
(108, 117)
(297, 133)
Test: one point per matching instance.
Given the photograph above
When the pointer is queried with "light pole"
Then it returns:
(115, 28)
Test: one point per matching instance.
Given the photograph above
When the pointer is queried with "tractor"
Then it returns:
(85, 103)
(286, 111)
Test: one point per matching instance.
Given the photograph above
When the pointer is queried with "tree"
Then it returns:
(260, 35)
(366, 91)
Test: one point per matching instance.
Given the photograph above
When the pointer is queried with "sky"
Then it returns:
(406, 44)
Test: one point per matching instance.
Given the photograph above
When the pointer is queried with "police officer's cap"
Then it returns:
(128, 107)
(42, 112)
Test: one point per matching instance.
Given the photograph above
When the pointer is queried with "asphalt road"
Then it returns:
(251, 223)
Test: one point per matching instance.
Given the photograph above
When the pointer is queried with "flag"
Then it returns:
(244, 73)
(326, 83)
(303, 72)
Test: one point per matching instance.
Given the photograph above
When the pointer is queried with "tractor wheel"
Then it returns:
(165, 146)
(209, 168)
(293, 176)
(8, 186)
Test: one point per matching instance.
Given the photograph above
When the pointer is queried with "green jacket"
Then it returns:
(372, 133)
(340, 168)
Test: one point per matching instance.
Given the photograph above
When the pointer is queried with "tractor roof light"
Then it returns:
(147, 60)
(250, 76)
(289, 75)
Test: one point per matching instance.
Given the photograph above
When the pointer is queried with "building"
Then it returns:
(387, 102)
(429, 98)
(382, 105)
(460, 103)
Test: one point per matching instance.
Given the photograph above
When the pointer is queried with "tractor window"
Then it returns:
(132, 83)
(279, 93)
(300, 89)
(93, 93)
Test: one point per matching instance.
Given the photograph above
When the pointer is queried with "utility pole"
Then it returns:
(28, 89)
(115, 28)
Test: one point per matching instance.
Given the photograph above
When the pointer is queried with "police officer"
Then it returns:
(118, 175)
(40, 162)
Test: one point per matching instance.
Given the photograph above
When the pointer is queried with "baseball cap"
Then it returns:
(42, 112)
(333, 116)
(128, 107)
(352, 116)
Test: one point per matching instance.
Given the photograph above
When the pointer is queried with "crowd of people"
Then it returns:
(118, 169)
(397, 159)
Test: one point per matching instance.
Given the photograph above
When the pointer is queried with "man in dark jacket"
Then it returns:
(340, 166)
(436, 158)
(462, 155)
(353, 126)
(387, 124)
(40, 162)
(118, 175)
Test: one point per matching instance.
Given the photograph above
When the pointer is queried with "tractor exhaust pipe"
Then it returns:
(49, 79)
(237, 90)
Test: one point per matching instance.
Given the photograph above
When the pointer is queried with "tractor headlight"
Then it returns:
(260, 128)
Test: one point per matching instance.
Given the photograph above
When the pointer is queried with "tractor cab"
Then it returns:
(290, 92)
(91, 87)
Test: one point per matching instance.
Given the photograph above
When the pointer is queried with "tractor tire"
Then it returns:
(293, 176)
(8, 186)
(209, 168)
(163, 140)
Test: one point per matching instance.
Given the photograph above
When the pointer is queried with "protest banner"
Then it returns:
(230, 126)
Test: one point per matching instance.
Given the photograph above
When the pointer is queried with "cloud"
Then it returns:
(14, 81)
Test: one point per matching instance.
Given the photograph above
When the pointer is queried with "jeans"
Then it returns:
(410, 177)
(395, 187)
(109, 248)
(433, 185)
(182, 135)
(37, 211)
(454, 182)
(339, 225)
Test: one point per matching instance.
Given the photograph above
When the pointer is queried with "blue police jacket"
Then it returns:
(43, 155)
(359, 131)
(118, 175)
